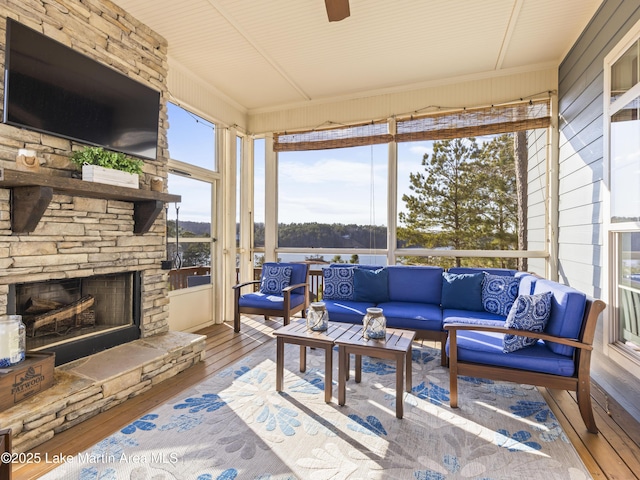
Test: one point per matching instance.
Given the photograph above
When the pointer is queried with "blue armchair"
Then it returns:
(284, 291)
(557, 357)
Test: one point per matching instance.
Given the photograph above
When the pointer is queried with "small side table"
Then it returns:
(296, 333)
(396, 346)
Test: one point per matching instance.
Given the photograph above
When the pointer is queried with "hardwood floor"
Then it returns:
(612, 454)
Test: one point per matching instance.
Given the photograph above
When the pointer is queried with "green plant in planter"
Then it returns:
(107, 159)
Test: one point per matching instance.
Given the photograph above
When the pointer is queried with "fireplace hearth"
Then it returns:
(80, 316)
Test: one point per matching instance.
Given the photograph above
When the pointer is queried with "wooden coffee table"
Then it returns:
(396, 346)
(296, 333)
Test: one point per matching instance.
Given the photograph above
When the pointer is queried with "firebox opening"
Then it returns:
(80, 316)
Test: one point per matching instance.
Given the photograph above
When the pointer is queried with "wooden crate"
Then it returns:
(95, 173)
(29, 377)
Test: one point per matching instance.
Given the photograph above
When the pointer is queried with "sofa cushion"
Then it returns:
(337, 283)
(370, 285)
(472, 318)
(531, 313)
(567, 312)
(268, 302)
(486, 348)
(275, 278)
(415, 284)
(493, 271)
(527, 283)
(462, 291)
(416, 316)
(346, 311)
(499, 292)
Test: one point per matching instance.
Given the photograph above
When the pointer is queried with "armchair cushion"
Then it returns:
(531, 313)
(370, 285)
(268, 302)
(275, 278)
(499, 292)
(338, 283)
(462, 291)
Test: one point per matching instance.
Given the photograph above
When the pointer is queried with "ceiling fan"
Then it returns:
(337, 9)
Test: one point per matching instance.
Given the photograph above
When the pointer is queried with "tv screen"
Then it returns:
(51, 88)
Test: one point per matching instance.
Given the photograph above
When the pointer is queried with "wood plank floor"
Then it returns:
(612, 454)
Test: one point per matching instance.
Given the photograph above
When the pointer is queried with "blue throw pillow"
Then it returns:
(275, 279)
(337, 283)
(499, 292)
(529, 312)
(371, 285)
(462, 291)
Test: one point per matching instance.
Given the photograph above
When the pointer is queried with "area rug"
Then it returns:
(235, 425)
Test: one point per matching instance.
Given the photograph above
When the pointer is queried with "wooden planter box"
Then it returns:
(94, 173)
(29, 377)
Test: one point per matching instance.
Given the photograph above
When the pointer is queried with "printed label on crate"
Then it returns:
(27, 383)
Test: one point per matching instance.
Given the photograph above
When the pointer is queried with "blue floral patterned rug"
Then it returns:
(235, 425)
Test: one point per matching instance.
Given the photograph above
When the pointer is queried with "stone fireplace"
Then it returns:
(81, 262)
(80, 316)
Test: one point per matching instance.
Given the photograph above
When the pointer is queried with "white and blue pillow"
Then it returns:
(338, 283)
(499, 292)
(275, 279)
(531, 313)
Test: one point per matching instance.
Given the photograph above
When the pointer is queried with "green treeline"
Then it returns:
(318, 235)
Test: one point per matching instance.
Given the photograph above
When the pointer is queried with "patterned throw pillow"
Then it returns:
(529, 312)
(338, 283)
(499, 292)
(275, 279)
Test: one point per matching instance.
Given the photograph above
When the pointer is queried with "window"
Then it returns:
(191, 138)
(191, 175)
(623, 125)
(629, 289)
(334, 198)
(462, 194)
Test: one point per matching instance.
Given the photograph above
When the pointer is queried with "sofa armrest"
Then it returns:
(571, 342)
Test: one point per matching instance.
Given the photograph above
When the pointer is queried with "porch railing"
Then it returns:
(178, 278)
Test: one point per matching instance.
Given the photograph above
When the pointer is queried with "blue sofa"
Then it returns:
(469, 310)
(412, 297)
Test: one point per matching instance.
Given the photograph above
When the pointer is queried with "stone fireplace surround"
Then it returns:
(78, 236)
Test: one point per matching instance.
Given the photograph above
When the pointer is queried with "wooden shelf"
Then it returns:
(32, 193)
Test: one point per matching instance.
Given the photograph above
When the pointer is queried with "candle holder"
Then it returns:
(12, 340)
(317, 317)
(374, 324)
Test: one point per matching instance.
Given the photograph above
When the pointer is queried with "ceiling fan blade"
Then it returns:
(337, 9)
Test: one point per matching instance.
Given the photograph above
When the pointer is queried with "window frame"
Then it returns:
(612, 346)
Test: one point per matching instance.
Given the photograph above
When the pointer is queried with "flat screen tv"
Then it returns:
(51, 88)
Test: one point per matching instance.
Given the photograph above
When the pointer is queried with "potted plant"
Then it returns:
(104, 166)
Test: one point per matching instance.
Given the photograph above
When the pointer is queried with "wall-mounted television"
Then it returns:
(51, 88)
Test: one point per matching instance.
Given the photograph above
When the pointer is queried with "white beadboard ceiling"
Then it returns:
(268, 54)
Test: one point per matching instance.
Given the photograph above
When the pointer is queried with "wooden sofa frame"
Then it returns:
(580, 382)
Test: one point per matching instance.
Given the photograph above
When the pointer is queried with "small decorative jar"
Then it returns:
(12, 340)
(317, 317)
(374, 324)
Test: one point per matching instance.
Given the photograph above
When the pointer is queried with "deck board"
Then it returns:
(612, 454)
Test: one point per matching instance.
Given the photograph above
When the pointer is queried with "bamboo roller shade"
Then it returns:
(437, 126)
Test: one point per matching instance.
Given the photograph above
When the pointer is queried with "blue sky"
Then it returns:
(345, 185)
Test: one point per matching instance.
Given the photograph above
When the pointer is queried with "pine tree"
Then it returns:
(445, 208)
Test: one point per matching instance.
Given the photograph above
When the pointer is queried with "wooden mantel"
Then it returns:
(31, 194)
